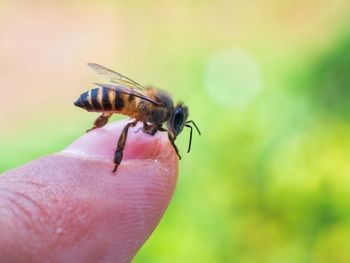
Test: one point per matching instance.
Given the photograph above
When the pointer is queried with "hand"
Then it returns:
(70, 207)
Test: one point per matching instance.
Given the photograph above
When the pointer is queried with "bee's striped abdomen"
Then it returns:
(107, 99)
(102, 99)
(83, 102)
(118, 101)
(90, 100)
(96, 99)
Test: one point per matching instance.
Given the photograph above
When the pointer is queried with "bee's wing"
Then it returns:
(137, 93)
(114, 77)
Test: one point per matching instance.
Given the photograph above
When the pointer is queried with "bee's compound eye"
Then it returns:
(178, 120)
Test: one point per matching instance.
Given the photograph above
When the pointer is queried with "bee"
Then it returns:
(153, 107)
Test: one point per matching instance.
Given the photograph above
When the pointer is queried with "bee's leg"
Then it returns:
(118, 155)
(150, 129)
(172, 140)
(145, 126)
(162, 129)
(101, 121)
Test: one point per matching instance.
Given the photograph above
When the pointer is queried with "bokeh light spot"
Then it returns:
(233, 78)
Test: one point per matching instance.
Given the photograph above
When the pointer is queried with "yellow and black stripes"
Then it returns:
(102, 99)
(118, 101)
(83, 102)
(96, 97)
(106, 99)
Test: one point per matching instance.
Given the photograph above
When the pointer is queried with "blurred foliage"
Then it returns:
(268, 83)
(329, 85)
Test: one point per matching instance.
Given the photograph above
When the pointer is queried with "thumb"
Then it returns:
(70, 207)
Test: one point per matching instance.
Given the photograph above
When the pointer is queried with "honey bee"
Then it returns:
(153, 107)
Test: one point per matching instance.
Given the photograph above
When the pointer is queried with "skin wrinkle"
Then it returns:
(43, 221)
(23, 208)
(11, 233)
(25, 183)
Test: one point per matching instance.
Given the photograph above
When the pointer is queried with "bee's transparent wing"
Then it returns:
(115, 77)
(137, 93)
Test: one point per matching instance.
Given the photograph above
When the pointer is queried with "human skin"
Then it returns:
(70, 207)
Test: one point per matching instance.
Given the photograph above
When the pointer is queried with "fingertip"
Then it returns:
(102, 143)
(89, 212)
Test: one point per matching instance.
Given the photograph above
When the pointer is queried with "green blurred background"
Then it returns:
(268, 83)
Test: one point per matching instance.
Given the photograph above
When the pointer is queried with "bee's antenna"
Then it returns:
(189, 145)
(190, 121)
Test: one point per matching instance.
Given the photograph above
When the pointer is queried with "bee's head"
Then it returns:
(177, 119)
